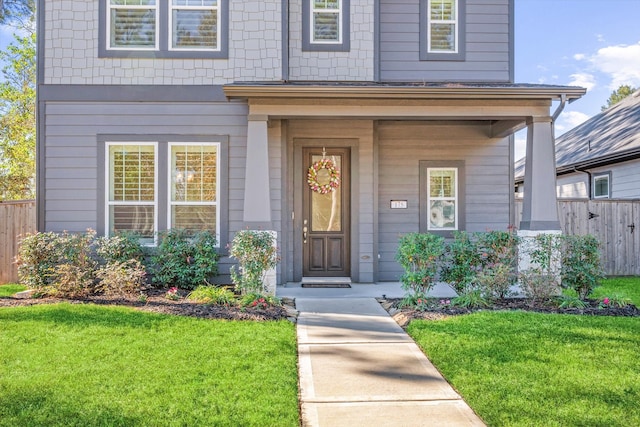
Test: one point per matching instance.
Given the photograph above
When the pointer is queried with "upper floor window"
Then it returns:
(164, 28)
(601, 186)
(325, 25)
(442, 30)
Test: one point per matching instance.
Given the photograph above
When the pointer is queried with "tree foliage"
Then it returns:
(618, 95)
(17, 119)
(18, 14)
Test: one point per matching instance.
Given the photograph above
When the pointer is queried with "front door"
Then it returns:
(325, 221)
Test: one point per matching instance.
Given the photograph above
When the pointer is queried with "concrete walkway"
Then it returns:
(359, 368)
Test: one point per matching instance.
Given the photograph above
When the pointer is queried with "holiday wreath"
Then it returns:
(334, 176)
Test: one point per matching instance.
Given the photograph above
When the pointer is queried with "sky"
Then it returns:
(590, 43)
(594, 44)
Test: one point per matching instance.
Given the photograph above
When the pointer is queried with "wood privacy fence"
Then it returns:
(16, 219)
(616, 224)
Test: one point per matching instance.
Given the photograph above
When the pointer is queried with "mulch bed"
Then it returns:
(157, 303)
(405, 315)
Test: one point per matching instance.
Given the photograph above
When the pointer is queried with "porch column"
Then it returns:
(539, 204)
(257, 197)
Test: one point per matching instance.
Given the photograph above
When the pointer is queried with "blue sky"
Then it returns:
(589, 43)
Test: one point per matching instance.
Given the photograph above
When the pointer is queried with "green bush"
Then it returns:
(462, 261)
(259, 301)
(61, 265)
(256, 253)
(120, 248)
(419, 255)
(541, 281)
(185, 260)
(38, 256)
(581, 265)
(121, 278)
(207, 294)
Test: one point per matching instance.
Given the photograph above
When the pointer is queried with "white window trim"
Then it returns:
(111, 6)
(430, 198)
(443, 21)
(173, 7)
(597, 177)
(108, 203)
(312, 11)
(171, 203)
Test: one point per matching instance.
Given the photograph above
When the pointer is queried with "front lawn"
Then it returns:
(532, 369)
(11, 289)
(624, 286)
(87, 365)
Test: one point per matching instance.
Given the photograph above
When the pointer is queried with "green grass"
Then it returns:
(531, 369)
(625, 286)
(11, 289)
(86, 365)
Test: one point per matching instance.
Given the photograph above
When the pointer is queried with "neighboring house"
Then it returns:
(599, 159)
(208, 114)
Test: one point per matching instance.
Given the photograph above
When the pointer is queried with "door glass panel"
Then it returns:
(326, 209)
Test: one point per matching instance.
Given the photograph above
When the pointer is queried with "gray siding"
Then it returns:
(625, 181)
(488, 41)
(71, 154)
(401, 148)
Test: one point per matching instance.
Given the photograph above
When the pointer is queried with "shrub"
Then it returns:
(462, 261)
(206, 294)
(419, 255)
(473, 298)
(256, 254)
(121, 277)
(495, 281)
(120, 248)
(256, 300)
(570, 299)
(185, 260)
(614, 300)
(38, 256)
(541, 280)
(499, 255)
(581, 265)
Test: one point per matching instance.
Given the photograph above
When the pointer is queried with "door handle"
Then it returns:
(304, 234)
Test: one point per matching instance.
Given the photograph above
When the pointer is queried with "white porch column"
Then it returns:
(539, 205)
(257, 197)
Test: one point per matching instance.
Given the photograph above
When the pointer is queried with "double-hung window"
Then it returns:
(325, 25)
(132, 196)
(442, 30)
(194, 24)
(162, 183)
(164, 28)
(193, 203)
(442, 196)
(133, 24)
(442, 205)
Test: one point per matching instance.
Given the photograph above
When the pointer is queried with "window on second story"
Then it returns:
(442, 30)
(325, 25)
(163, 28)
(602, 186)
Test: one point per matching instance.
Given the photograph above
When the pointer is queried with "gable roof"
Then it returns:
(609, 137)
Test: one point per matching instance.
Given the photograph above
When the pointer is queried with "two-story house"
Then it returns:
(338, 124)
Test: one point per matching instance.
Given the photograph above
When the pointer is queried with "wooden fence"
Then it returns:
(616, 224)
(16, 219)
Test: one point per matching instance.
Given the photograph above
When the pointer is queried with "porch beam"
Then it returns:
(539, 205)
(504, 128)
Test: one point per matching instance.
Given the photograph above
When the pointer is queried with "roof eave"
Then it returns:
(235, 90)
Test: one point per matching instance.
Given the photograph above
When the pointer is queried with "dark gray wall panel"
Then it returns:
(401, 148)
(488, 55)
